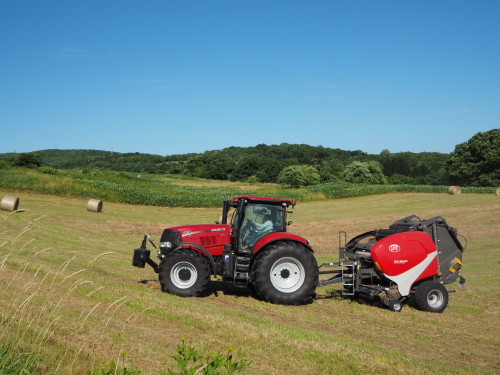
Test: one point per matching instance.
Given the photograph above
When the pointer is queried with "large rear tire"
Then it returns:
(285, 273)
(431, 296)
(184, 273)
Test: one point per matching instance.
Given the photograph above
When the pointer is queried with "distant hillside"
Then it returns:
(262, 162)
(131, 162)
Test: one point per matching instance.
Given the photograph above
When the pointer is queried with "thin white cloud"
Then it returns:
(179, 86)
(322, 85)
(70, 52)
(160, 84)
(468, 110)
(148, 81)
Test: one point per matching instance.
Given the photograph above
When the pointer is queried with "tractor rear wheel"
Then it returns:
(431, 296)
(184, 273)
(285, 273)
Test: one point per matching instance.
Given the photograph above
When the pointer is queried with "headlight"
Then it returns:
(167, 245)
(170, 239)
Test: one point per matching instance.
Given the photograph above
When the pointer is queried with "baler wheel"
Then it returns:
(184, 273)
(396, 306)
(431, 296)
(285, 273)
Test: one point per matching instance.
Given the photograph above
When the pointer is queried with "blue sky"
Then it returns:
(172, 77)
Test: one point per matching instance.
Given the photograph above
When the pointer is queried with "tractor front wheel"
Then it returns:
(184, 273)
(285, 273)
(431, 296)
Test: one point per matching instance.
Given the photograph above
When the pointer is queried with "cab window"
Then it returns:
(259, 220)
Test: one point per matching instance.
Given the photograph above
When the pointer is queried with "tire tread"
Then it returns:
(421, 293)
(261, 269)
(192, 257)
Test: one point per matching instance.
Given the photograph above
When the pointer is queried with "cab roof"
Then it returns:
(266, 200)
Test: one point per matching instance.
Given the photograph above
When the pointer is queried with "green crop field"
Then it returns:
(69, 293)
(182, 191)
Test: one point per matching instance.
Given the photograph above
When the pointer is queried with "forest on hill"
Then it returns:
(262, 163)
(473, 163)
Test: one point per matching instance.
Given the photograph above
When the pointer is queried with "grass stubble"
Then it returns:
(68, 291)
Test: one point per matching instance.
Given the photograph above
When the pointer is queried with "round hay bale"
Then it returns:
(94, 205)
(497, 192)
(454, 190)
(9, 203)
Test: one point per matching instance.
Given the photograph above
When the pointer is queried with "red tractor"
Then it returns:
(413, 258)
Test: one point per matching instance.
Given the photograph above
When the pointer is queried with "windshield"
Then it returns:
(259, 220)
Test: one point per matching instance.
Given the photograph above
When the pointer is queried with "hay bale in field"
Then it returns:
(9, 203)
(94, 205)
(454, 190)
(497, 192)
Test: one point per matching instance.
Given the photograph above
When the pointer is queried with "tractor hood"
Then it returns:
(209, 236)
(190, 232)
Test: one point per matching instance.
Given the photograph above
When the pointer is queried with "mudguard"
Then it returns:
(279, 236)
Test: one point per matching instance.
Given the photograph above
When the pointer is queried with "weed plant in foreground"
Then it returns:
(189, 360)
(14, 361)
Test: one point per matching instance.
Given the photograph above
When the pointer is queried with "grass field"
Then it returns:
(69, 292)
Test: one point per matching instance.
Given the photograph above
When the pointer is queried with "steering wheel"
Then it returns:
(248, 228)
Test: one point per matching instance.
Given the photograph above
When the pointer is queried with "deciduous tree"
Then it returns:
(477, 161)
(369, 172)
(28, 159)
(298, 175)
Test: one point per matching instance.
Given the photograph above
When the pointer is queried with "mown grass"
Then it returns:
(67, 287)
(176, 191)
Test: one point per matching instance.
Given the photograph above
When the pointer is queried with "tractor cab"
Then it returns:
(253, 247)
(255, 218)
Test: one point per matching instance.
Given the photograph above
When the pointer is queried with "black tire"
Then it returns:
(431, 296)
(395, 305)
(252, 290)
(184, 273)
(285, 273)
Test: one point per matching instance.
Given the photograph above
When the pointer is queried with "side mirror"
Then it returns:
(289, 223)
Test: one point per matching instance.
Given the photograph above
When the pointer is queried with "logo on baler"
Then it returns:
(401, 261)
(394, 248)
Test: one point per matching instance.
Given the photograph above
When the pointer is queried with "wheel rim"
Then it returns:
(435, 298)
(287, 275)
(183, 275)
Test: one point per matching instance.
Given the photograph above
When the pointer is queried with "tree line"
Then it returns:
(473, 163)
